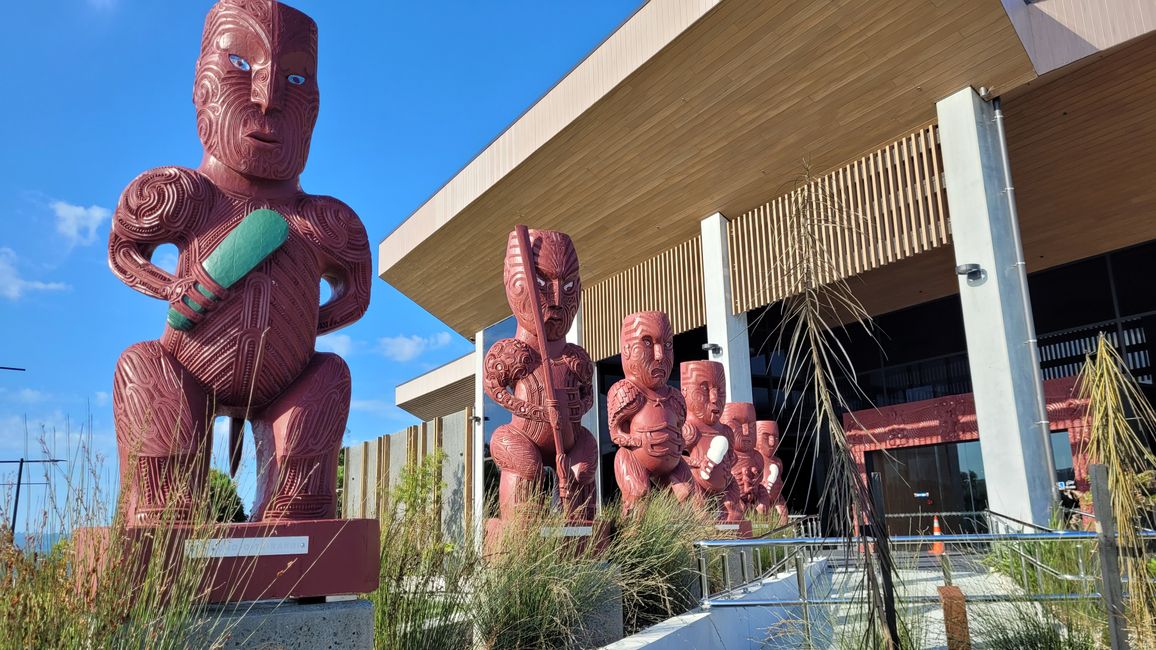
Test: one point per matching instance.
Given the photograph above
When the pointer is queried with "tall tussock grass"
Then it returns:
(106, 583)
(528, 589)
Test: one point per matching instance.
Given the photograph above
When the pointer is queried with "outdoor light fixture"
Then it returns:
(713, 348)
(975, 274)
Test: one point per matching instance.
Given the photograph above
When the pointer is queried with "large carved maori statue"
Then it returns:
(244, 301)
(767, 432)
(708, 440)
(541, 379)
(747, 471)
(646, 415)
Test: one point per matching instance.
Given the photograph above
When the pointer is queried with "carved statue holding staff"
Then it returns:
(543, 380)
(646, 415)
(767, 432)
(245, 308)
(708, 441)
(747, 471)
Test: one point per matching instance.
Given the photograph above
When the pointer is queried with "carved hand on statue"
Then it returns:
(178, 289)
(553, 415)
(719, 446)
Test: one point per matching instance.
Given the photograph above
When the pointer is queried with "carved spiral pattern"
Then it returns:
(163, 204)
(507, 363)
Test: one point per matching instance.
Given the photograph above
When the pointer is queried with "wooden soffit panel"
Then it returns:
(718, 120)
(1083, 157)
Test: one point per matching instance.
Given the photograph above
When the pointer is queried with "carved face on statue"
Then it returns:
(647, 348)
(554, 276)
(768, 436)
(256, 87)
(740, 418)
(704, 387)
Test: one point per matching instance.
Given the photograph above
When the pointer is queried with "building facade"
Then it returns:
(995, 164)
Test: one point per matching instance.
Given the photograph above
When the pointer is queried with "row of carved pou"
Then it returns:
(688, 441)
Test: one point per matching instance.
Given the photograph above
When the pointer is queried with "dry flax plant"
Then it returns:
(1121, 420)
(819, 302)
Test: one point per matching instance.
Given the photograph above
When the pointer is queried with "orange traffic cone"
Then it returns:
(936, 547)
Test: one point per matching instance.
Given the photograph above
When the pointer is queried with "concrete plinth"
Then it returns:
(344, 625)
(604, 625)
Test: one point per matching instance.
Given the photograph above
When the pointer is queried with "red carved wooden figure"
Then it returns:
(767, 432)
(514, 376)
(247, 350)
(708, 441)
(646, 415)
(739, 417)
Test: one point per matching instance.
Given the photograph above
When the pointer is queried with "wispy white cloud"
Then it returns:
(77, 223)
(13, 286)
(30, 396)
(101, 398)
(407, 348)
(167, 260)
(377, 407)
(341, 344)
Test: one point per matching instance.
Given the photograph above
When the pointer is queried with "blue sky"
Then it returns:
(97, 91)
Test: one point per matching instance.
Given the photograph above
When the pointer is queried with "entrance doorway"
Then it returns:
(921, 481)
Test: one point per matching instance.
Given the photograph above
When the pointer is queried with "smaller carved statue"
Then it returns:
(708, 441)
(767, 432)
(739, 417)
(646, 415)
(543, 380)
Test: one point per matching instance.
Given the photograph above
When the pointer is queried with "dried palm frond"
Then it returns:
(1120, 419)
(818, 367)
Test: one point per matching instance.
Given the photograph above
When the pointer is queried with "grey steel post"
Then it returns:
(703, 576)
(726, 569)
(1112, 588)
(801, 577)
(1039, 568)
(16, 502)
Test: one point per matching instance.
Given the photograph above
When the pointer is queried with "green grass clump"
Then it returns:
(538, 591)
(1027, 628)
(425, 582)
(655, 554)
(129, 587)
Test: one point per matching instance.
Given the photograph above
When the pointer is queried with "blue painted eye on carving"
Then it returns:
(296, 79)
(239, 62)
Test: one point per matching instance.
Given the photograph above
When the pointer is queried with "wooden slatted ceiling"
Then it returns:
(734, 103)
(883, 208)
(669, 282)
(1082, 144)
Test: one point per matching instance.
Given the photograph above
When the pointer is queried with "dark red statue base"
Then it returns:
(253, 561)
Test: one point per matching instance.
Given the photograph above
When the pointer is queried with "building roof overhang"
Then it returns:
(444, 390)
(692, 107)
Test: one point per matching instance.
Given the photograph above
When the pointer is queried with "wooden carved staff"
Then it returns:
(555, 420)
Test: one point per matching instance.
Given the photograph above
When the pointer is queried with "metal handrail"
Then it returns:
(923, 600)
(908, 540)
